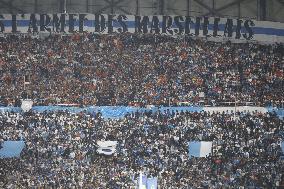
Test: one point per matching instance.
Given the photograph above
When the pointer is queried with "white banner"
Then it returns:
(209, 27)
(106, 147)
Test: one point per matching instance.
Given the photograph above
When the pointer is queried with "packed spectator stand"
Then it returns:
(60, 150)
(132, 69)
(140, 70)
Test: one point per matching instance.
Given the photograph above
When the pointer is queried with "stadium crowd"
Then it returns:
(60, 150)
(133, 69)
(139, 70)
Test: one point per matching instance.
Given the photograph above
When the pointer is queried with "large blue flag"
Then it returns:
(11, 149)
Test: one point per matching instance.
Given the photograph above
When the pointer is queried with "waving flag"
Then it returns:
(152, 183)
(106, 147)
(147, 183)
(142, 181)
(199, 148)
(10, 149)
